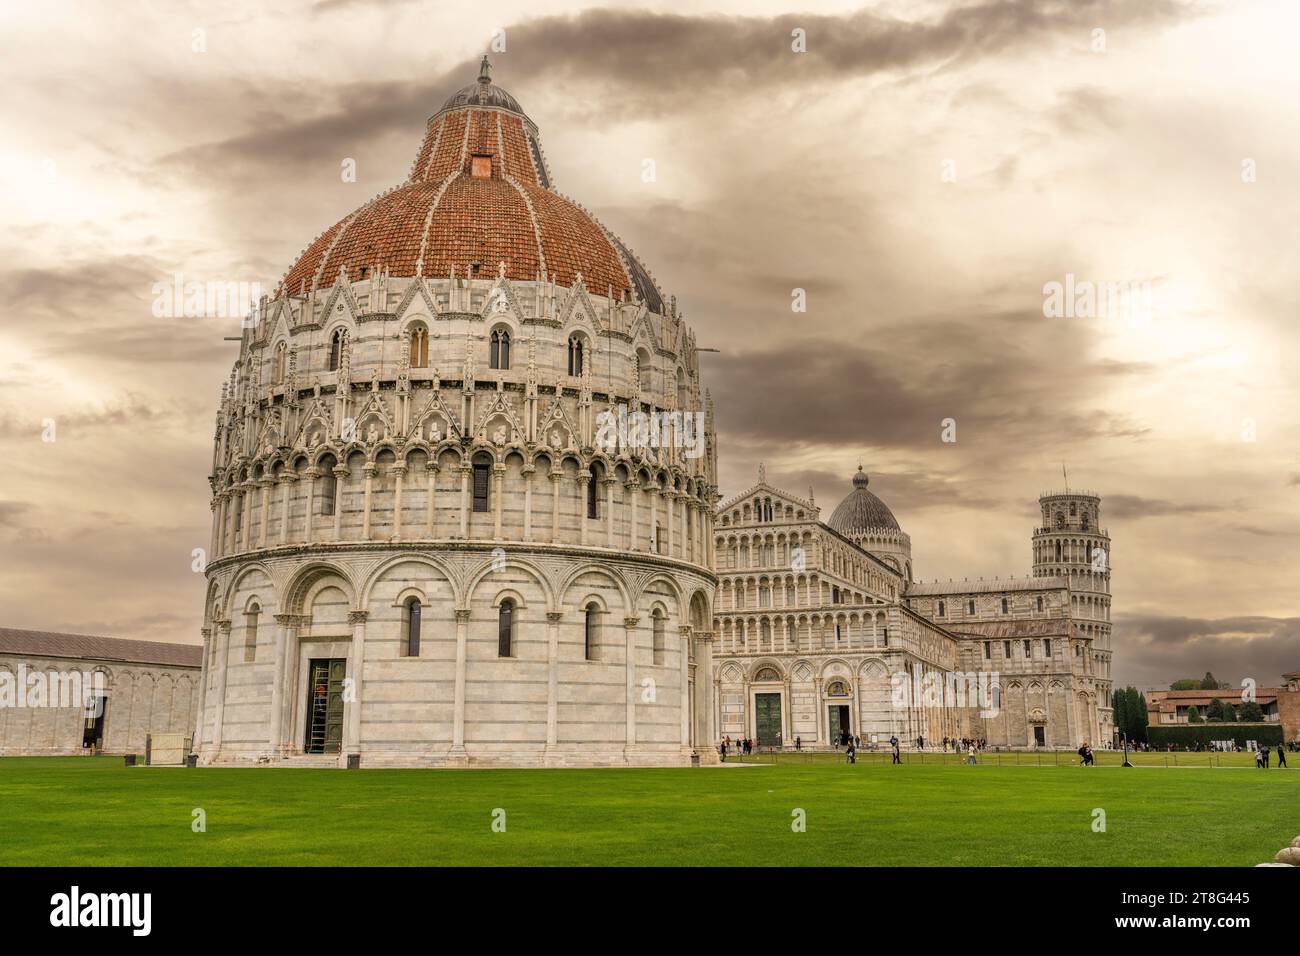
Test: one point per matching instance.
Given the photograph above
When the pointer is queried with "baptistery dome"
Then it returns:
(478, 198)
(441, 534)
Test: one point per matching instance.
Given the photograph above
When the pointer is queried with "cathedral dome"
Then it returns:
(862, 511)
(478, 198)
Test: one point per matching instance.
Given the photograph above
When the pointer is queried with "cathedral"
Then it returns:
(465, 513)
(822, 633)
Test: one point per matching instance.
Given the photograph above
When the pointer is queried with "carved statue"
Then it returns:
(435, 432)
(557, 439)
(372, 433)
(499, 436)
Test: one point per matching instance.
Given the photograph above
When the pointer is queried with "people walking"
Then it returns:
(970, 756)
(1281, 756)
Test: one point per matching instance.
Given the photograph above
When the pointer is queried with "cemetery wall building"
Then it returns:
(429, 546)
(823, 632)
(64, 694)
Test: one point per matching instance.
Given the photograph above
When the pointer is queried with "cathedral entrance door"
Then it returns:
(1039, 739)
(325, 705)
(839, 723)
(767, 719)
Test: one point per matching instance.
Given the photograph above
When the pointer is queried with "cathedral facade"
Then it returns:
(429, 545)
(822, 632)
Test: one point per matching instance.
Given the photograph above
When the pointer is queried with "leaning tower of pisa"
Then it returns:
(1071, 543)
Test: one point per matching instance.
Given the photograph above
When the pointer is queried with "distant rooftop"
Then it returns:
(89, 647)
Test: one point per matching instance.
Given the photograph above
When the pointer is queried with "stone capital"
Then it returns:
(462, 614)
(631, 621)
(358, 617)
(554, 617)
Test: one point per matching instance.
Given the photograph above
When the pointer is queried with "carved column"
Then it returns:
(669, 497)
(312, 474)
(457, 751)
(287, 481)
(528, 472)
(584, 481)
(341, 477)
(369, 471)
(555, 476)
(705, 721)
(609, 510)
(286, 624)
(498, 498)
(465, 471)
(221, 663)
(356, 664)
(552, 677)
(205, 675)
(629, 668)
(633, 492)
(266, 484)
(399, 479)
(683, 701)
(431, 474)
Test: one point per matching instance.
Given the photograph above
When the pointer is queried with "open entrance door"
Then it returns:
(325, 705)
(839, 723)
(92, 734)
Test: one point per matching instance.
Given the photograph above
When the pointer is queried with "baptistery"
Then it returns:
(462, 485)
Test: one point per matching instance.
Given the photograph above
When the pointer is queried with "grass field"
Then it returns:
(86, 811)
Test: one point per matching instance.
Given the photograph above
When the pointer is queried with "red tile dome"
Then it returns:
(479, 194)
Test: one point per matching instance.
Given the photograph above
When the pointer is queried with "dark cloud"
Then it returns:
(1136, 506)
(892, 386)
(1156, 650)
(638, 64)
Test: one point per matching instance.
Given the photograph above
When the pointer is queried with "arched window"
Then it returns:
(593, 493)
(643, 369)
(1005, 608)
(1040, 602)
(505, 628)
(970, 607)
(419, 347)
(1073, 512)
(482, 473)
(591, 631)
(250, 632)
(575, 355)
(658, 628)
(942, 608)
(328, 487)
(281, 358)
(411, 645)
(681, 389)
(337, 343)
(1058, 551)
(1085, 521)
(499, 350)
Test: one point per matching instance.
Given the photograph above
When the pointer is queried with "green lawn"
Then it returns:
(87, 811)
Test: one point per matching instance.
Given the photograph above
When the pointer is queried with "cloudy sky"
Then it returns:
(922, 171)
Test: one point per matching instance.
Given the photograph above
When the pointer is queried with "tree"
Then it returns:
(1250, 712)
(1209, 683)
(1193, 715)
(1215, 710)
(1130, 713)
(1187, 683)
